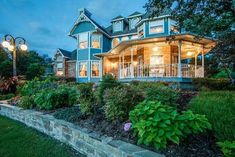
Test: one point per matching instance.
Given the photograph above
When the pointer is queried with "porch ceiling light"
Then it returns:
(155, 49)
(5, 44)
(189, 53)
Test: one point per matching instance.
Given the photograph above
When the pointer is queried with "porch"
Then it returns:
(158, 59)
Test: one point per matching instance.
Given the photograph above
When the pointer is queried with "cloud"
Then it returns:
(37, 27)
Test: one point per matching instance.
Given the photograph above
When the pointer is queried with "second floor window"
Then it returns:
(140, 31)
(83, 40)
(95, 41)
(156, 27)
(115, 42)
(117, 26)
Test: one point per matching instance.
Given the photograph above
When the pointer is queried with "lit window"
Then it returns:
(59, 65)
(83, 69)
(141, 31)
(133, 22)
(117, 26)
(156, 26)
(134, 37)
(156, 60)
(59, 73)
(125, 38)
(174, 29)
(95, 38)
(83, 40)
(95, 69)
(115, 42)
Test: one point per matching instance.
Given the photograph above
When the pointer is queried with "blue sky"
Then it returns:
(46, 23)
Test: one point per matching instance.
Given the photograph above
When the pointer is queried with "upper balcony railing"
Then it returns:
(163, 70)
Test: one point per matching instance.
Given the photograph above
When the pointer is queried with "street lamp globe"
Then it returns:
(10, 47)
(5, 44)
(23, 47)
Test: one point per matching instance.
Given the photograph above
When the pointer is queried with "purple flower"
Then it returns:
(127, 126)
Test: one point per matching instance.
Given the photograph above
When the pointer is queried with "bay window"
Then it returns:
(95, 41)
(83, 40)
(156, 26)
(95, 68)
(83, 69)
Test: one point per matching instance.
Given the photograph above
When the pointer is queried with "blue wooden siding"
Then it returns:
(94, 51)
(83, 54)
(106, 43)
(83, 27)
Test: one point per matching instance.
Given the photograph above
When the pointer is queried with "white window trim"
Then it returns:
(134, 18)
(99, 41)
(163, 25)
(98, 67)
(121, 27)
(85, 61)
(88, 36)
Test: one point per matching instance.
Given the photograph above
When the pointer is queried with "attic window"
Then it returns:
(133, 22)
(117, 26)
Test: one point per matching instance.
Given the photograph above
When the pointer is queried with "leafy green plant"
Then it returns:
(86, 99)
(213, 83)
(34, 70)
(71, 114)
(156, 124)
(119, 101)
(6, 97)
(108, 81)
(63, 96)
(27, 102)
(228, 148)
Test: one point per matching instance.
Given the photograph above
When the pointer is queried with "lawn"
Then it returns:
(219, 108)
(17, 140)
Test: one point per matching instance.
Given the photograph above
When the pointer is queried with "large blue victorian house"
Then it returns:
(136, 47)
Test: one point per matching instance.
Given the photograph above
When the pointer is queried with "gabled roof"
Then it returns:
(119, 17)
(135, 14)
(65, 53)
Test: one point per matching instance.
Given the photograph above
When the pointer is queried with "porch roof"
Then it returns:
(207, 42)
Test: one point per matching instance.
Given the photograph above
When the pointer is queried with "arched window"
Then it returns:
(115, 42)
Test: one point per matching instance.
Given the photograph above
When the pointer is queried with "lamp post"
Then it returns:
(12, 44)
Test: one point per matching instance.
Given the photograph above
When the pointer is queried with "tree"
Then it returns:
(213, 18)
(34, 70)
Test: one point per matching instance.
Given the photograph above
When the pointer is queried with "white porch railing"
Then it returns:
(163, 70)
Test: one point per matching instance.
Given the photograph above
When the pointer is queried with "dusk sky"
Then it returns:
(45, 23)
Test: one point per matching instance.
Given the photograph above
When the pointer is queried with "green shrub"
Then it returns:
(108, 81)
(6, 97)
(34, 70)
(62, 96)
(219, 108)
(156, 124)
(86, 98)
(27, 102)
(71, 114)
(228, 148)
(119, 101)
(158, 91)
(213, 83)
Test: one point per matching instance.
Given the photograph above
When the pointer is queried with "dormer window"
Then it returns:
(156, 26)
(133, 22)
(117, 26)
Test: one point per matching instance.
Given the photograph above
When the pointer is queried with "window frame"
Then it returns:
(158, 23)
(99, 68)
(140, 29)
(87, 40)
(99, 38)
(115, 24)
(131, 26)
(86, 63)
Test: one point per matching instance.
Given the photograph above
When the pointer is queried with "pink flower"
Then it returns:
(127, 126)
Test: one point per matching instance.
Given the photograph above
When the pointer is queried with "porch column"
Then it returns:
(179, 59)
(195, 65)
(203, 63)
(123, 60)
(132, 64)
(119, 66)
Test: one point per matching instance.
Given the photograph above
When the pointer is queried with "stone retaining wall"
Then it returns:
(88, 143)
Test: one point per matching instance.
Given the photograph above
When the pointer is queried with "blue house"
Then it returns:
(137, 47)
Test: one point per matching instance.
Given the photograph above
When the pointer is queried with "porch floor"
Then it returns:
(156, 79)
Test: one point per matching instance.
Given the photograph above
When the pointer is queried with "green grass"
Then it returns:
(219, 108)
(17, 140)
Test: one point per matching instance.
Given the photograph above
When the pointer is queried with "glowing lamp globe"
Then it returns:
(5, 44)
(10, 47)
(23, 47)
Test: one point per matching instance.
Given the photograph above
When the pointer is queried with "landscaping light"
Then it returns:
(5, 44)
(23, 47)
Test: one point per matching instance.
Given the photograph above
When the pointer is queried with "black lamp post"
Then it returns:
(12, 44)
